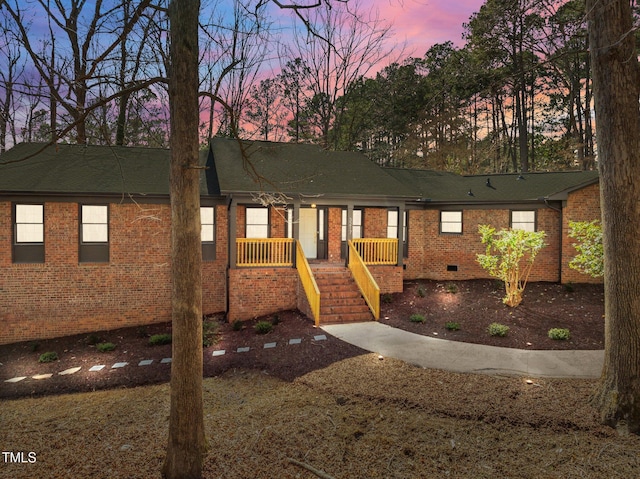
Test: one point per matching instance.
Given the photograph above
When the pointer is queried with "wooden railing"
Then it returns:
(368, 286)
(308, 283)
(377, 250)
(264, 252)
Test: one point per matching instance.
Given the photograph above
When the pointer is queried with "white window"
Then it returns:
(523, 220)
(95, 224)
(29, 224)
(392, 223)
(257, 222)
(451, 222)
(208, 231)
(356, 231)
(289, 222)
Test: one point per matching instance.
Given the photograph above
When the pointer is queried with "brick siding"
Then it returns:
(582, 205)
(432, 252)
(62, 297)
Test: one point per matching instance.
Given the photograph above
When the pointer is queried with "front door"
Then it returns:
(309, 232)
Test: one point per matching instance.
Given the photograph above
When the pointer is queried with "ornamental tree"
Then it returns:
(590, 257)
(509, 257)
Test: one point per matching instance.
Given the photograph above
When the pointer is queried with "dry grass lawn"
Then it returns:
(359, 418)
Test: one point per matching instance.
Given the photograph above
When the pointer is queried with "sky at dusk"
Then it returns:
(423, 23)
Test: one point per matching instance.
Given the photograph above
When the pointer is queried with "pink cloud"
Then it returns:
(423, 23)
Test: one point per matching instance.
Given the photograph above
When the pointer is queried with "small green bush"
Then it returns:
(209, 332)
(160, 339)
(263, 327)
(568, 287)
(421, 291)
(237, 325)
(497, 329)
(48, 357)
(559, 333)
(417, 318)
(105, 347)
(386, 298)
(452, 288)
(93, 339)
(452, 326)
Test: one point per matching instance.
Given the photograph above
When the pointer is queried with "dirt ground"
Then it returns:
(324, 403)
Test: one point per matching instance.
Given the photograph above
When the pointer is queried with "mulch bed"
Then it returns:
(471, 304)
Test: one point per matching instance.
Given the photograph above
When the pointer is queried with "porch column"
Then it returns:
(296, 219)
(401, 211)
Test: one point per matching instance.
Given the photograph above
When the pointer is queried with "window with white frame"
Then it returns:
(257, 222)
(208, 232)
(94, 234)
(29, 224)
(356, 230)
(451, 222)
(95, 224)
(208, 227)
(392, 228)
(523, 220)
(28, 233)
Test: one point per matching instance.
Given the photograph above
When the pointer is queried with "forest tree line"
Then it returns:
(516, 97)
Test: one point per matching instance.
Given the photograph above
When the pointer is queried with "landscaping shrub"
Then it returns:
(509, 257)
(452, 288)
(497, 329)
(452, 326)
(417, 318)
(421, 292)
(93, 339)
(105, 347)
(275, 320)
(34, 346)
(209, 332)
(237, 325)
(559, 333)
(590, 257)
(386, 298)
(160, 339)
(48, 357)
(263, 327)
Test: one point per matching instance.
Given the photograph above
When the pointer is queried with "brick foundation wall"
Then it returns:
(582, 205)
(257, 291)
(430, 252)
(63, 297)
(389, 278)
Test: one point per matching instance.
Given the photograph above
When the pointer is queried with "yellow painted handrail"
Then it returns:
(308, 283)
(377, 250)
(264, 252)
(368, 286)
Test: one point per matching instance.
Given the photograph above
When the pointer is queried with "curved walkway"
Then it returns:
(456, 356)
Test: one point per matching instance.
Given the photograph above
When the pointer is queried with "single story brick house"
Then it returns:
(85, 243)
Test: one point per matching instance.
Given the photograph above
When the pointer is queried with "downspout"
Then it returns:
(228, 266)
(560, 255)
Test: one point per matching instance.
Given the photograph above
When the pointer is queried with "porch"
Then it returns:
(328, 292)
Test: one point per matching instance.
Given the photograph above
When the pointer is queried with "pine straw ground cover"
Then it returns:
(359, 418)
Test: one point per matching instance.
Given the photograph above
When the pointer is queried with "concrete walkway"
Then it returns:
(456, 356)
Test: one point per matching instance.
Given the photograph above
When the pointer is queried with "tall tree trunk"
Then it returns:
(186, 443)
(616, 81)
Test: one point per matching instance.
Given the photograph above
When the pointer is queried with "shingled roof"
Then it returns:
(91, 170)
(439, 186)
(34, 168)
(294, 168)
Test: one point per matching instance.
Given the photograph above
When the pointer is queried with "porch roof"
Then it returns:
(301, 169)
(439, 186)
